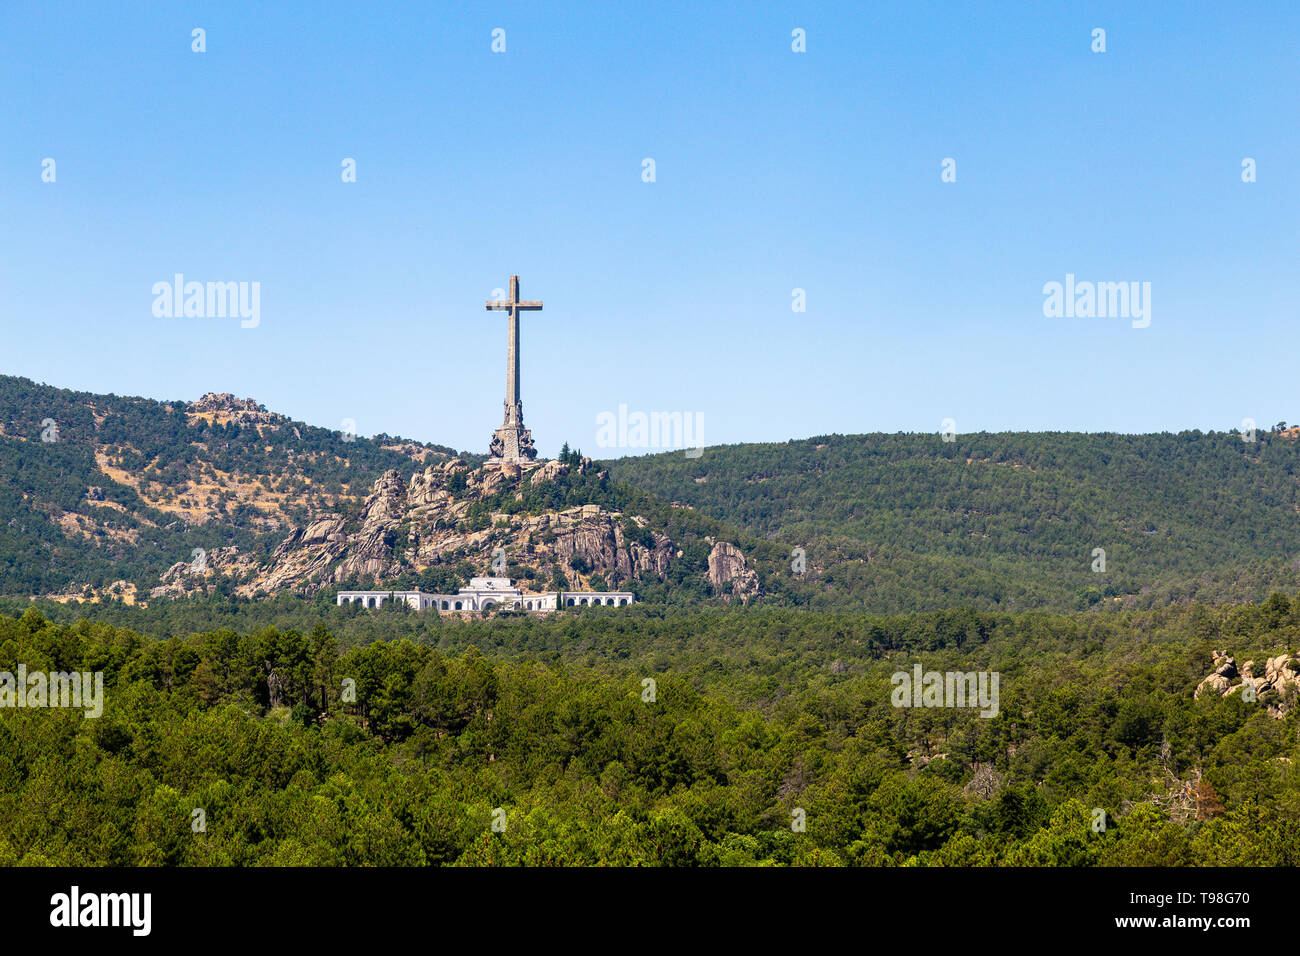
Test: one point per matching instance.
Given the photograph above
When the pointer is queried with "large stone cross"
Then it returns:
(513, 442)
(514, 307)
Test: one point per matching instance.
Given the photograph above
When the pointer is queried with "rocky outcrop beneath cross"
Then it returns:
(450, 516)
(437, 519)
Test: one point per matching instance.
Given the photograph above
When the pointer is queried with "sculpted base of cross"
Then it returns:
(512, 442)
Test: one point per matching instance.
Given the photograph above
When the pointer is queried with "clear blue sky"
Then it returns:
(775, 170)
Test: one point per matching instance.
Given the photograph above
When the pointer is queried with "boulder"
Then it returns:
(1215, 682)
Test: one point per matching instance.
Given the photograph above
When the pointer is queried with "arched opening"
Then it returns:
(489, 605)
(458, 605)
(444, 605)
(371, 603)
(622, 601)
(570, 602)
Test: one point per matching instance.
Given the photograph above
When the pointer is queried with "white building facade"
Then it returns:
(486, 594)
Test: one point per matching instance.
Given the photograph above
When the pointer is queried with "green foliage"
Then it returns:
(758, 716)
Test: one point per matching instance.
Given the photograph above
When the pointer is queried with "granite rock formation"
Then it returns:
(727, 566)
(409, 526)
(1276, 686)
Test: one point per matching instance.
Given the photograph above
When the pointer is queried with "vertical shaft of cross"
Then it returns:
(512, 355)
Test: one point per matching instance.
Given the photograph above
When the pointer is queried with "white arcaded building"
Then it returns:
(484, 594)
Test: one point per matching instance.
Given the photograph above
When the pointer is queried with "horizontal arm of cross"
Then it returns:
(501, 305)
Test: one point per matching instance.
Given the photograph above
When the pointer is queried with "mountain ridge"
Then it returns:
(132, 490)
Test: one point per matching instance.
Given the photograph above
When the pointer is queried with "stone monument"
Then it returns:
(512, 443)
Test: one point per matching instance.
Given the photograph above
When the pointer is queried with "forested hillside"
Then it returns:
(101, 495)
(756, 719)
(98, 488)
(899, 522)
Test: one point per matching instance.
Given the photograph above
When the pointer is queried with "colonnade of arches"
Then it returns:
(533, 605)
